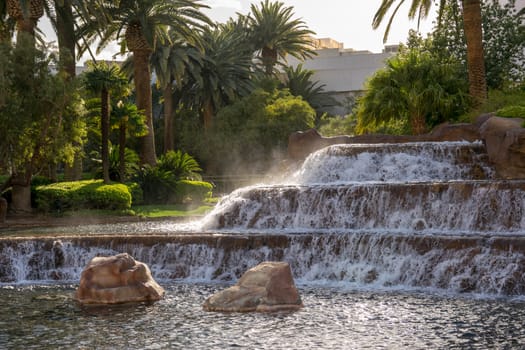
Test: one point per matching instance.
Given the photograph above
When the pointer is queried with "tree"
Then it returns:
(299, 82)
(473, 34)
(503, 40)
(175, 64)
(26, 14)
(102, 79)
(413, 86)
(7, 24)
(225, 74)
(250, 133)
(274, 34)
(129, 120)
(139, 25)
(35, 110)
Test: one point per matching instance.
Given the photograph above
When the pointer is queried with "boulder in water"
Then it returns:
(266, 287)
(117, 279)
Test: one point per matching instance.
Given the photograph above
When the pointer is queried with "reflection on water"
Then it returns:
(46, 317)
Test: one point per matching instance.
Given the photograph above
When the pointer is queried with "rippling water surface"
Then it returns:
(35, 317)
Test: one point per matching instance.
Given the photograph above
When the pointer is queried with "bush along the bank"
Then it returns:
(194, 192)
(174, 180)
(88, 194)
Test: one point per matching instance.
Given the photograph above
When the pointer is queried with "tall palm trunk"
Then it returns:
(104, 127)
(142, 51)
(475, 60)
(122, 148)
(142, 76)
(417, 124)
(169, 141)
(269, 59)
(207, 113)
(66, 36)
(66, 47)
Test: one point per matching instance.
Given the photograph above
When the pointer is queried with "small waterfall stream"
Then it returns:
(421, 215)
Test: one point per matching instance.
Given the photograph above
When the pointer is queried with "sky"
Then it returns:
(347, 21)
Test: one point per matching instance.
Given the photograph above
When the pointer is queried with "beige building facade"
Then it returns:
(343, 71)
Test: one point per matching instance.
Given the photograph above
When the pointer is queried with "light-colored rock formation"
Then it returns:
(117, 279)
(266, 287)
(505, 142)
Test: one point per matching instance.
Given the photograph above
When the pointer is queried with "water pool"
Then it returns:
(45, 316)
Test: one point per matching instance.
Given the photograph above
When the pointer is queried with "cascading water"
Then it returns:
(421, 215)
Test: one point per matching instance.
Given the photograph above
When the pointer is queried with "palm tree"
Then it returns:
(7, 24)
(26, 14)
(275, 34)
(225, 74)
(102, 79)
(139, 25)
(413, 87)
(174, 64)
(128, 119)
(299, 82)
(473, 34)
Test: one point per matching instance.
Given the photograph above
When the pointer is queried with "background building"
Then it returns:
(343, 71)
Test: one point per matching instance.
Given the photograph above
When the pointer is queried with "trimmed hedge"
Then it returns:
(189, 191)
(87, 194)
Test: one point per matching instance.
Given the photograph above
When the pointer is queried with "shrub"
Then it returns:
(188, 191)
(87, 194)
(181, 165)
(157, 184)
(511, 112)
(137, 196)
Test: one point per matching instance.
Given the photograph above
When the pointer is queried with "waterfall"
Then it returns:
(417, 215)
(458, 264)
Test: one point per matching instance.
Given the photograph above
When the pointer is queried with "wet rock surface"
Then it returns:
(266, 287)
(117, 279)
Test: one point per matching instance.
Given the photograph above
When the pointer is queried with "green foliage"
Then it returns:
(137, 196)
(334, 126)
(250, 133)
(39, 111)
(275, 33)
(101, 76)
(414, 87)
(511, 112)
(160, 184)
(299, 82)
(499, 99)
(181, 165)
(503, 40)
(87, 194)
(157, 184)
(131, 161)
(188, 191)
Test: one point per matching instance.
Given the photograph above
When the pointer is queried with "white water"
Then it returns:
(424, 222)
(444, 188)
(413, 162)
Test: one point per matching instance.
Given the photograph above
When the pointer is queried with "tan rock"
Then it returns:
(505, 142)
(117, 279)
(266, 287)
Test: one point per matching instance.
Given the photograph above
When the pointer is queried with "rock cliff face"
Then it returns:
(117, 279)
(504, 139)
(266, 287)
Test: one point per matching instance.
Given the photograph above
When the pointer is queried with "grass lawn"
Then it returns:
(155, 211)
